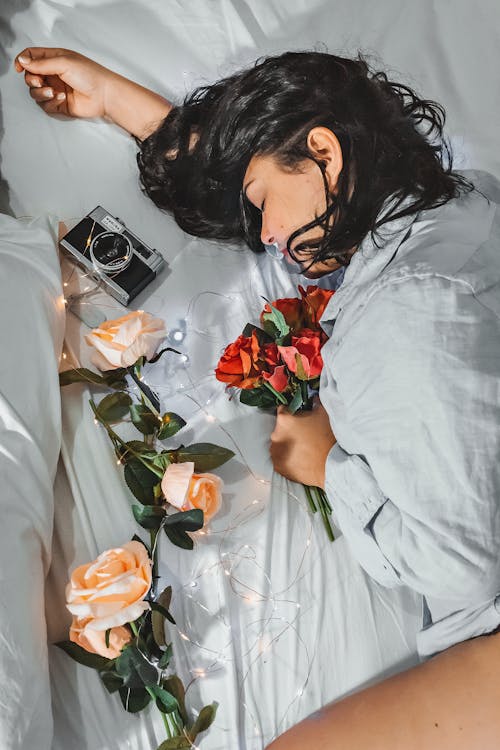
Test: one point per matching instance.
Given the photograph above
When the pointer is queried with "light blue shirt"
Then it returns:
(411, 383)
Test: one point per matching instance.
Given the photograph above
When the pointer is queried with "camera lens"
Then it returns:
(111, 252)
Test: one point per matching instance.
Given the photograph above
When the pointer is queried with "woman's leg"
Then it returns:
(451, 702)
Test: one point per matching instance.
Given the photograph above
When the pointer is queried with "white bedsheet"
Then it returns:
(268, 661)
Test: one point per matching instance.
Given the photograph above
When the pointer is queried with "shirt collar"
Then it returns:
(369, 260)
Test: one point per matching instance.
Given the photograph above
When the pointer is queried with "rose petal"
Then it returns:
(175, 483)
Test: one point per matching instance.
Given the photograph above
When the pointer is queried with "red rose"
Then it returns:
(303, 357)
(244, 362)
(314, 301)
(278, 379)
(291, 308)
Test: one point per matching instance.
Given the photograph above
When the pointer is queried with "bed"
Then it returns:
(273, 620)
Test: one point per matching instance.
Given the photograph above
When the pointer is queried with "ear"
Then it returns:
(324, 146)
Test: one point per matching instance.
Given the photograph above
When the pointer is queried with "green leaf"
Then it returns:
(135, 669)
(170, 424)
(145, 420)
(134, 700)
(260, 397)
(179, 537)
(165, 702)
(149, 516)
(140, 481)
(206, 456)
(162, 460)
(112, 681)
(80, 375)
(175, 743)
(94, 661)
(166, 657)
(277, 319)
(136, 448)
(187, 520)
(175, 686)
(296, 402)
(113, 407)
(159, 613)
(204, 720)
(177, 524)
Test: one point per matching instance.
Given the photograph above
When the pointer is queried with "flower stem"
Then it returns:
(325, 510)
(147, 395)
(275, 393)
(310, 498)
(116, 439)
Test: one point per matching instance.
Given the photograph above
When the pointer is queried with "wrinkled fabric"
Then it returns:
(412, 386)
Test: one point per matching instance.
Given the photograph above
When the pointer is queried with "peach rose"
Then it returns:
(110, 591)
(120, 342)
(95, 640)
(186, 490)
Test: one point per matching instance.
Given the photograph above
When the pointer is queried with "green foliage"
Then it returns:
(135, 669)
(279, 328)
(140, 481)
(113, 407)
(170, 425)
(134, 699)
(78, 654)
(149, 516)
(165, 701)
(206, 456)
(260, 397)
(175, 686)
(145, 420)
(203, 721)
(177, 524)
(296, 401)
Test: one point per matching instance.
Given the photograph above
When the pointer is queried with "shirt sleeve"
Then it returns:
(415, 483)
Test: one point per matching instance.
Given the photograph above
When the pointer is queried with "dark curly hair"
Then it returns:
(392, 144)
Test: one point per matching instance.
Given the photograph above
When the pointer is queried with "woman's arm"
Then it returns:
(64, 82)
(447, 703)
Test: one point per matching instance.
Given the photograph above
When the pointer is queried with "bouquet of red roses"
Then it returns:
(280, 363)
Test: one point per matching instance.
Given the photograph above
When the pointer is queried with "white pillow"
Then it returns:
(31, 335)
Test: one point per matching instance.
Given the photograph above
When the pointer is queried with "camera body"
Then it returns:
(112, 254)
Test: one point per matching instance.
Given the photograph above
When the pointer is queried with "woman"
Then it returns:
(338, 166)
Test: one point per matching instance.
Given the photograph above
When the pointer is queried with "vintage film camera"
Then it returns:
(113, 255)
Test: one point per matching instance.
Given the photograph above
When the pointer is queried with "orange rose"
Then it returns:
(95, 640)
(244, 361)
(120, 342)
(186, 490)
(109, 592)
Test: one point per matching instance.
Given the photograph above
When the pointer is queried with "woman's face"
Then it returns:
(288, 200)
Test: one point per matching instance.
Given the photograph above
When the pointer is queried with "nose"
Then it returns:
(267, 236)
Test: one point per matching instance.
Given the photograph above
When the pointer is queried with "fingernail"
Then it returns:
(61, 96)
(48, 94)
(37, 84)
(24, 59)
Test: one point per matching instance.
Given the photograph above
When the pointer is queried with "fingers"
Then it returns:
(45, 93)
(42, 61)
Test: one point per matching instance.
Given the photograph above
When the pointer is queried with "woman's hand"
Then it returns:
(64, 82)
(301, 443)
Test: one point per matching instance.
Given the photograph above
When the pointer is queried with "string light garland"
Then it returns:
(237, 565)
